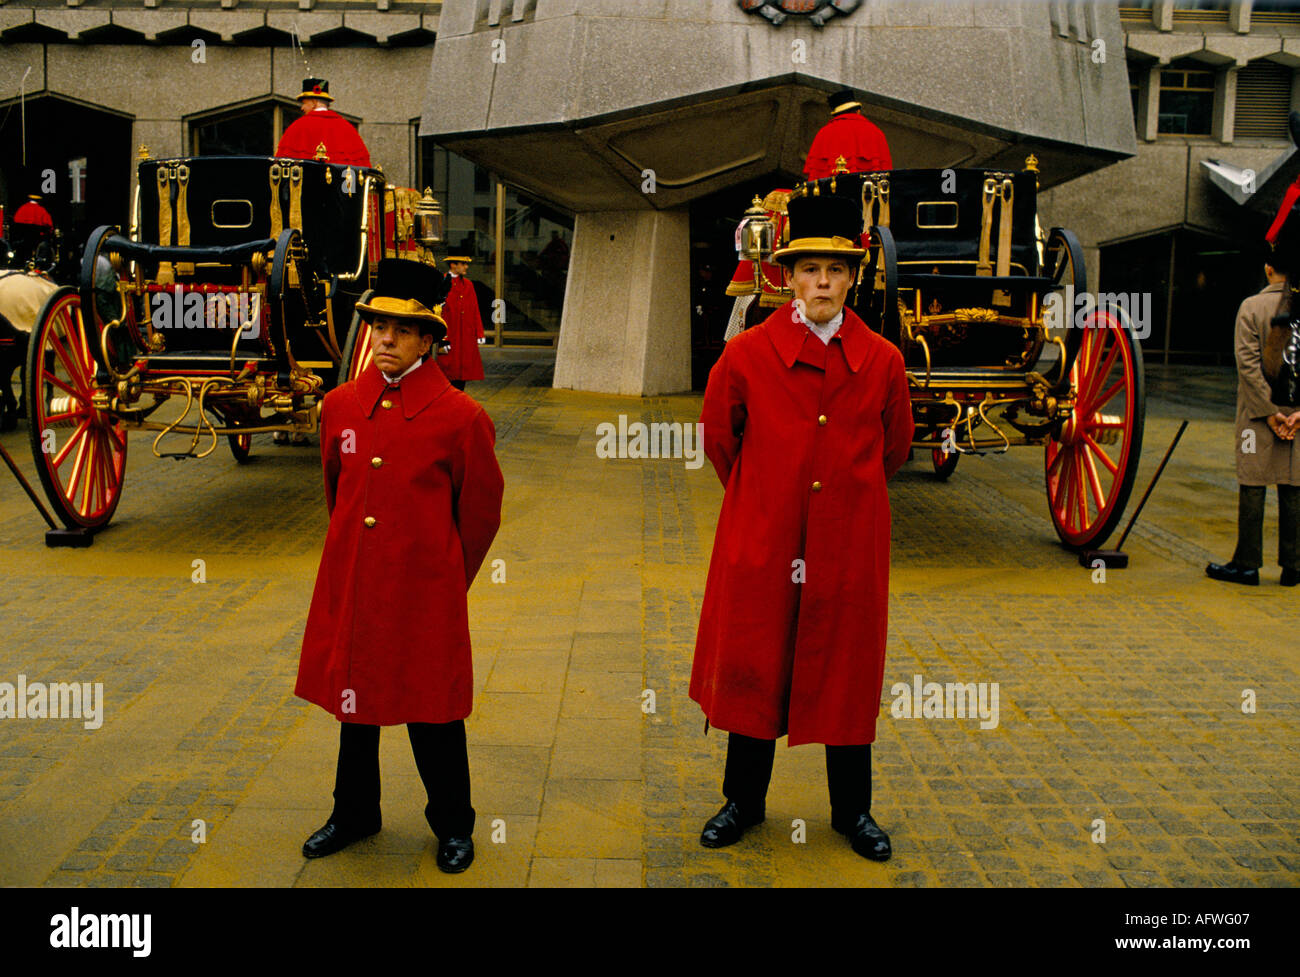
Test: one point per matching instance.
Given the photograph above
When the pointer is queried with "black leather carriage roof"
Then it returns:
(331, 216)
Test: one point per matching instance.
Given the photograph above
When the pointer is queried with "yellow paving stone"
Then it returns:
(595, 818)
(563, 873)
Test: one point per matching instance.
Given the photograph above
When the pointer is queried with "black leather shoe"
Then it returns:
(455, 854)
(334, 837)
(726, 827)
(1233, 574)
(867, 838)
(1289, 577)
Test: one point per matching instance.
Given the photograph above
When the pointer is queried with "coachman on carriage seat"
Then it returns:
(322, 133)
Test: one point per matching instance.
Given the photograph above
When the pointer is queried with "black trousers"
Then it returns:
(442, 758)
(749, 771)
(1250, 526)
(458, 384)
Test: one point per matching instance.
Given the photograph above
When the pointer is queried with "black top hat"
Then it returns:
(316, 88)
(411, 290)
(828, 224)
(842, 101)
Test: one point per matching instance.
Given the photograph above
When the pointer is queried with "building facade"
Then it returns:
(594, 155)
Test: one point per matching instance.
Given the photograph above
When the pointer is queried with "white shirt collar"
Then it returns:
(414, 366)
(822, 330)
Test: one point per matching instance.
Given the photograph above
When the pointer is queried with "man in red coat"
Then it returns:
(464, 326)
(805, 418)
(414, 493)
(322, 133)
(850, 135)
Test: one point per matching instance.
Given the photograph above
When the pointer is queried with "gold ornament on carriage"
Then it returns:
(427, 216)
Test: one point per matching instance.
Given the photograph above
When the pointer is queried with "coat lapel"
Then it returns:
(419, 388)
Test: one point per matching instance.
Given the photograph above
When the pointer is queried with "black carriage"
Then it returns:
(234, 292)
(1003, 343)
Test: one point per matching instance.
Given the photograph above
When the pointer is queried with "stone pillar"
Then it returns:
(626, 327)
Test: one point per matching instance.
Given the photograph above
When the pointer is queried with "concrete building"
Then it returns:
(595, 154)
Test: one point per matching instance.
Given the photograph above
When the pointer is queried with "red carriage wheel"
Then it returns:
(241, 446)
(1092, 461)
(357, 351)
(80, 451)
(945, 462)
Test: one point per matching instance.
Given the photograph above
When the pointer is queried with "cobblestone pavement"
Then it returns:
(1120, 702)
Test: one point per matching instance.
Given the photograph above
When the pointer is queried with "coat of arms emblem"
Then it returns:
(817, 11)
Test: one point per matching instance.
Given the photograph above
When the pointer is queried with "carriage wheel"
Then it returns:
(80, 451)
(241, 446)
(1064, 265)
(880, 274)
(944, 464)
(357, 351)
(1093, 460)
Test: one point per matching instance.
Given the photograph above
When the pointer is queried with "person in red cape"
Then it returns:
(414, 492)
(33, 214)
(322, 133)
(805, 416)
(464, 326)
(850, 135)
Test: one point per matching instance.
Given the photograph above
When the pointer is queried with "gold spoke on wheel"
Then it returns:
(63, 452)
(1110, 392)
(1081, 495)
(1094, 482)
(1056, 461)
(1096, 379)
(74, 477)
(1112, 466)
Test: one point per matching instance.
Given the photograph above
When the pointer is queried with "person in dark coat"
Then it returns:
(414, 493)
(806, 416)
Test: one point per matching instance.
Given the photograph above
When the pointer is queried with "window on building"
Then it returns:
(247, 131)
(1186, 100)
(1263, 100)
(1274, 12)
(1201, 11)
(529, 295)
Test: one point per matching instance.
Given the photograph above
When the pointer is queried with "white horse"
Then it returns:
(22, 296)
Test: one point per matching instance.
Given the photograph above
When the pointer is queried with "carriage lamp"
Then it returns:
(428, 220)
(755, 234)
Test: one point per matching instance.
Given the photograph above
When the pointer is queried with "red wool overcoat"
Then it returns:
(388, 618)
(343, 144)
(803, 437)
(852, 136)
(464, 330)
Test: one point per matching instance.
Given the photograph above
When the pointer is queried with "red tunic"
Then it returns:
(774, 655)
(464, 330)
(343, 145)
(33, 213)
(850, 135)
(388, 620)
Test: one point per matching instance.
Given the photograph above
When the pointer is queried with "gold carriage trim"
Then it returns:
(776, 201)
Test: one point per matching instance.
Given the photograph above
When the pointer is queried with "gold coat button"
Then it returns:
(385, 404)
(822, 420)
(370, 522)
(376, 462)
(817, 486)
